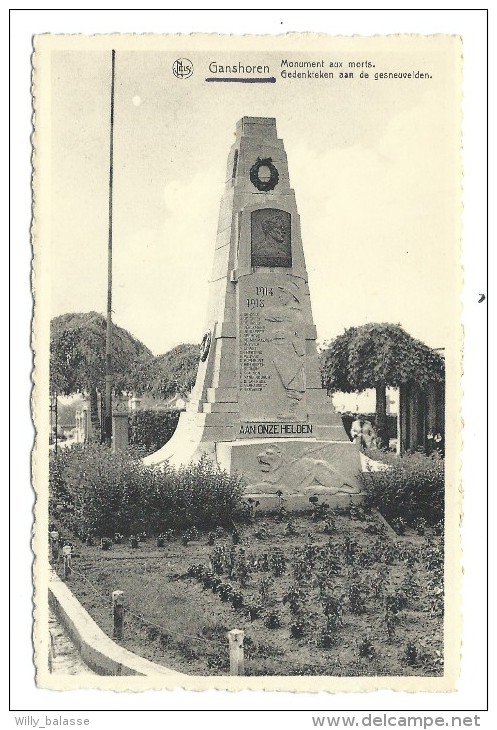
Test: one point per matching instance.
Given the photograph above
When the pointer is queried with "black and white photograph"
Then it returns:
(248, 360)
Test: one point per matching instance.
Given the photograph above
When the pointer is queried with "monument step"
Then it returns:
(325, 418)
(221, 408)
(222, 395)
(225, 329)
(314, 380)
(212, 419)
(311, 332)
(331, 433)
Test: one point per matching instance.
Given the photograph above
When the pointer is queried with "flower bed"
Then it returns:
(332, 597)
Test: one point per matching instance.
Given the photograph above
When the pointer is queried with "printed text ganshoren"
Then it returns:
(237, 68)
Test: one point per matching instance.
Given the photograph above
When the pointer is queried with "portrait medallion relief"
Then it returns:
(271, 239)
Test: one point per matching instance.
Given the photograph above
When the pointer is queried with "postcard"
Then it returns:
(248, 345)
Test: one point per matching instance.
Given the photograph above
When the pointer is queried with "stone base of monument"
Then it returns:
(295, 469)
(300, 502)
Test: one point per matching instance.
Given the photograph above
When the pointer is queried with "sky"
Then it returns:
(374, 165)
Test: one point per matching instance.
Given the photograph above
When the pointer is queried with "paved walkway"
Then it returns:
(65, 658)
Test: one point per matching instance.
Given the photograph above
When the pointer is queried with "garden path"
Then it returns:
(65, 658)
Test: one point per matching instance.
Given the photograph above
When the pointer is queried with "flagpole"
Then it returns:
(108, 339)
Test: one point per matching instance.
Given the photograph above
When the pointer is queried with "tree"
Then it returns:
(377, 356)
(174, 372)
(77, 356)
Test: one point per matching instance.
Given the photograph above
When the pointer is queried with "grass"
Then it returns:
(173, 619)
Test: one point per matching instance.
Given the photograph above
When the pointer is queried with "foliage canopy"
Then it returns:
(77, 360)
(77, 354)
(173, 373)
(375, 355)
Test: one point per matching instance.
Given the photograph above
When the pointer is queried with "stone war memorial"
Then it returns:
(258, 407)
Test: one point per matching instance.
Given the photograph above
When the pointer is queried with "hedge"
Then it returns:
(152, 429)
(413, 487)
(93, 491)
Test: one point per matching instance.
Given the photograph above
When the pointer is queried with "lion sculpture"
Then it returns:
(301, 474)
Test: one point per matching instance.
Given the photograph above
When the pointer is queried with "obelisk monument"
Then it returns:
(258, 407)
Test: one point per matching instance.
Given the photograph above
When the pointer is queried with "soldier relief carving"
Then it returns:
(286, 346)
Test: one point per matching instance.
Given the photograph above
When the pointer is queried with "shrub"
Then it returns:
(380, 581)
(295, 598)
(290, 529)
(273, 620)
(310, 552)
(302, 569)
(366, 648)
(357, 513)
(332, 559)
(410, 584)
(392, 620)
(252, 507)
(107, 493)
(420, 526)
(399, 525)
(396, 601)
(356, 597)
(439, 527)
(329, 525)
(189, 535)
(277, 562)
(318, 510)
(218, 662)
(106, 543)
(351, 549)
(411, 654)
(263, 563)
(244, 568)
(328, 637)
(219, 559)
(265, 588)
(299, 628)
(197, 570)
(152, 429)
(226, 591)
(262, 533)
(333, 610)
(254, 611)
(208, 579)
(375, 528)
(412, 488)
(237, 600)
(216, 584)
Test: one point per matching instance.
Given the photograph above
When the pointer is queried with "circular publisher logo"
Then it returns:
(182, 68)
